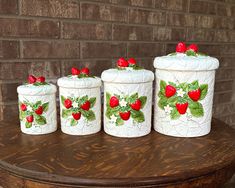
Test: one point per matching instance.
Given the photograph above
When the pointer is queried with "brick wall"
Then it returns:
(48, 37)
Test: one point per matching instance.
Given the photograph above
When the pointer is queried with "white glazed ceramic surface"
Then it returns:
(45, 94)
(179, 69)
(83, 126)
(130, 128)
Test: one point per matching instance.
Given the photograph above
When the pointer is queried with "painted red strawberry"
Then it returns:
(125, 115)
(113, 102)
(67, 103)
(39, 111)
(31, 79)
(85, 71)
(170, 91)
(181, 47)
(182, 107)
(23, 107)
(122, 62)
(136, 105)
(30, 118)
(41, 79)
(193, 47)
(75, 71)
(77, 115)
(86, 105)
(131, 61)
(195, 94)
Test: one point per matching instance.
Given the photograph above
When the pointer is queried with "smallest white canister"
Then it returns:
(37, 106)
(80, 104)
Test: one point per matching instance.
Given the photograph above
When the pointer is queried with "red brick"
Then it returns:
(126, 32)
(224, 23)
(9, 112)
(227, 49)
(175, 19)
(224, 36)
(13, 70)
(87, 31)
(9, 49)
(139, 3)
(164, 33)
(225, 73)
(12, 27)
(176, 5)
(200, 35)
(147, 17)
(8, 92)
(224, 10)
(101, 50)
(96, 66)
(222, 109)
(8, 6)
(51, 49)
(224, 85)
(227, 62)
(103, 12)
(145, 49)
(203, 7)
(222, 97)
(50, 8)
(229, 119)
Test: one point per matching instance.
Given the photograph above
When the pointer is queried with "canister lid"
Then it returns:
(186, 58)
(127, 75)
(30, 89)
(75, 82)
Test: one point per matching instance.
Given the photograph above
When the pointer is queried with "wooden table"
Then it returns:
(59, 160)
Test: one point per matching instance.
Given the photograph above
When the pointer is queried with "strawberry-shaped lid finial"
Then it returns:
(181, 47)
(83, 73)
(122, 63)
(191, 50)
(37, 81)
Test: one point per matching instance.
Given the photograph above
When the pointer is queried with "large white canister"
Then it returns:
(37, 106)
(184, 92)
(80, 103)
(127, 99)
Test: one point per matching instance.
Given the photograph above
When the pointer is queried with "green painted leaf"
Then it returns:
(28, 125)
(138, 116)
(195, 84)
(204, 90)
(174, 114)
(201, 54)
(90, 116)
(162, 86)
(40, 120)
(119, 121)
(196, 109)
(183, 86)
(172, 100)
(133, 98)
(108, 113)
(92, 101)
(108, 96)
(83, 99)
(45, 106)
(162, 102)
(22, 115)
(173, 84)
(37, 104)
(66, 113)
(143, 100)
(73, 122)
(191, 53)
(62, 98)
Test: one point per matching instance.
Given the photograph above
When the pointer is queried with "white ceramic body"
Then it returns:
(83, 126)
(186, 125)
(50, 114)
(130, 127)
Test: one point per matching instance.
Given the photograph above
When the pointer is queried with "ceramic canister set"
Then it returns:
(184, 89)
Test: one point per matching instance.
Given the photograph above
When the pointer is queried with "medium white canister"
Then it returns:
(184, 92)
(80, 103)
(127, 99)
(37, 106)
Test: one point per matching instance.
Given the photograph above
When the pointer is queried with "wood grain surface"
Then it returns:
(60, 160)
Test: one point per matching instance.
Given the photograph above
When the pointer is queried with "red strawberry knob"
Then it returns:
(131, 61)
(181, 47)
(67, 103)
(136, 105)
(77, 115)
(113, 102)
(182, 107)
(41, 79)
(125, 115)
(39, 111)
(75, 71)
(193, 47)
(122, 62)
(86, 105)
(23, 107)
(195, 94)
(170, 91)
(30, 119)
(31, 79)
(85, 71)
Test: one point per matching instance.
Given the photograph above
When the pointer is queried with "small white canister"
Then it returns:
(184, 92)
(80, 103)
(127, 99)
(37, 106)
